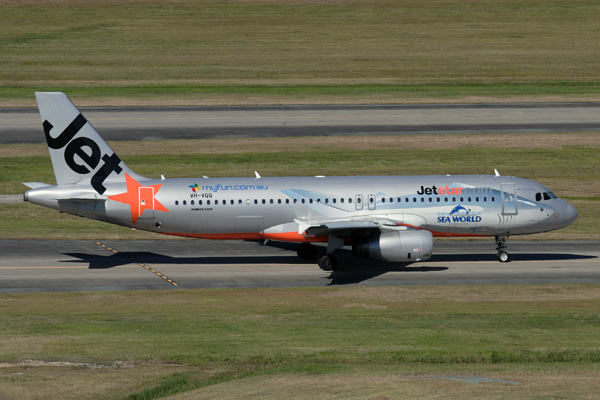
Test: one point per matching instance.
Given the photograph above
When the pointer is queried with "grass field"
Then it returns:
(567, 163)
(268, 52)
(351, 343)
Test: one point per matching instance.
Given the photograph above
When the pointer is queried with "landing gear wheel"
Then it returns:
(307, 251)
(328, 262)
(502, 256)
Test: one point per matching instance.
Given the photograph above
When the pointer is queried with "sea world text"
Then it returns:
(459, 218)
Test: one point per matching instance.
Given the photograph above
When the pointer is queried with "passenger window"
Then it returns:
(438, 200)
(469, 199)
(264, 201)
(295, 201)
(208, 202)
(371, 200)
(422, 199)
(199, 202)
(400, 200)
(431, 200)
(271, 201)
(326, 201)
(184, 203)
(287, 201)
(462, 199)
(454, 199)
(538, 197)
(350, 200)
(485, 199)
(255, 201)
(391, 199)
(477, 199)
(493, 199)
(310, 201)
(334, 201)
(382, 200)
(176, 202)
(192, 202)
(414, 199)
(342, 200)
(303, 201)
(358, 200)
(233, 202)
(278, 201)
(216, 202)
(318, 200)
(406, 200)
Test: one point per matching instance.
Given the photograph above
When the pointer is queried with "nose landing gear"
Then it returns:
(502, 255)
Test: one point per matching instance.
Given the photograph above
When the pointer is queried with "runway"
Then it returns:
(147, 123)
(64, 266)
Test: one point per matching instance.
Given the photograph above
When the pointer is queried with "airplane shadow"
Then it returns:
(345, 275)
(146, 257)
(513, 257)
(350, 271)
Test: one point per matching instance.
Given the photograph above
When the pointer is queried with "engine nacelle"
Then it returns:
(413, 245)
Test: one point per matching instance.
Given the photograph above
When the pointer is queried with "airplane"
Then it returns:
(387, 218)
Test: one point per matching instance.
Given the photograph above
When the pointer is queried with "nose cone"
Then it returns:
(570, 214)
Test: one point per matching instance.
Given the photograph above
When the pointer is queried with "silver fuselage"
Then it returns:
(243, 208)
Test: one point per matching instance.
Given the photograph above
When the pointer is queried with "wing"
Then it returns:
(343, 228)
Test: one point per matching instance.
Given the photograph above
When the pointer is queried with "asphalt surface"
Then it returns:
(44, 266)
(147, 123)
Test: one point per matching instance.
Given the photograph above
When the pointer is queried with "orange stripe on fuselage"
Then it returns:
(282, 237)
(295, 237)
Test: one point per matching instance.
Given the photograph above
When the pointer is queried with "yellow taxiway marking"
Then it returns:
(140, 264)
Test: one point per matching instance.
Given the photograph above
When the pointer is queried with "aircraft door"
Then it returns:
(372, 202)
(146, 203)
(358, 200)
(509, 199)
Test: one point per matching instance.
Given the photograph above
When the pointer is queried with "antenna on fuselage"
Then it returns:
(496, 172)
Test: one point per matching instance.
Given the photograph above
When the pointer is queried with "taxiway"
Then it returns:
(50, 265)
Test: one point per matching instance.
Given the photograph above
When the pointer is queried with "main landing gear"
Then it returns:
(502, 255)
(327, 262)
(307, 251)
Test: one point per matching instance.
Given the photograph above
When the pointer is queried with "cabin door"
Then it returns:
(509, 199)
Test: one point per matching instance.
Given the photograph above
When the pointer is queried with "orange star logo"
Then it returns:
(139, 198)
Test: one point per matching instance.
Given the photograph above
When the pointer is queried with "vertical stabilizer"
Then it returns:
(77, 151)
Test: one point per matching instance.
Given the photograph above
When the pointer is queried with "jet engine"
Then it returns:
(407, 246)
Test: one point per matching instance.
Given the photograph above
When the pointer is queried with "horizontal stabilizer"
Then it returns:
(35, 185)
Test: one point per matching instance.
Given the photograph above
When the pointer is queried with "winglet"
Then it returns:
(257, 175)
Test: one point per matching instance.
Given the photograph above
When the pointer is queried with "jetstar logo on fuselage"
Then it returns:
(440, 191)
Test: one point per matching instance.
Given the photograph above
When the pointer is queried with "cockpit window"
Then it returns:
(545, 195)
